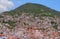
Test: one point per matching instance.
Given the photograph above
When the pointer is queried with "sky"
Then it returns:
(6, 5)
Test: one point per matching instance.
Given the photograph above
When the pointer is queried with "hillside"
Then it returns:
(33, 8)
(31, 21)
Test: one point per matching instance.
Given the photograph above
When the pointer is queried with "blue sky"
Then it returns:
(54, 4)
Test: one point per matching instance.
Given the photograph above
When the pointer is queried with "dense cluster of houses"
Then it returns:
(27, 27)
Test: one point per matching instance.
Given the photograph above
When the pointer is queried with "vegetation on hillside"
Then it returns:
(1, 16)
(55, 25)
(48, 14)
(33, 8)
(37, 10)
(11, 24)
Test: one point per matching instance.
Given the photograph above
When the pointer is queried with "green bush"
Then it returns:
(11, 23)
(54, 24)
(26, 23)
(48, 14)
(1, 16)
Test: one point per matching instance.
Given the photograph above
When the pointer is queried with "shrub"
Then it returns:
(54, 24)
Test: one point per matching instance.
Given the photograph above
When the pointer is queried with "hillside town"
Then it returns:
(26, 26)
